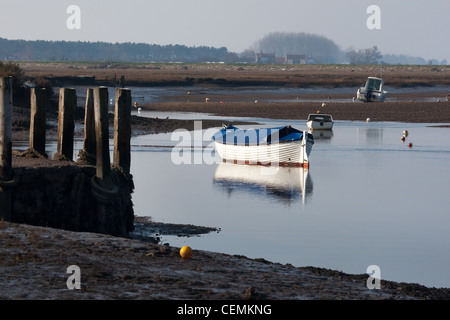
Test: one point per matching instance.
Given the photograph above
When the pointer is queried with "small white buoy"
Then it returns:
(353, 99)
(139, 110)
(323, 104)
(368, 120)
(207, 99)
(256, 101)
(405, 133)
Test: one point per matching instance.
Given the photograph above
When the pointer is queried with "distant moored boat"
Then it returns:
(372, 91)
(319, 121)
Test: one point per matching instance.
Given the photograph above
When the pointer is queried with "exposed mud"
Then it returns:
(35, 260)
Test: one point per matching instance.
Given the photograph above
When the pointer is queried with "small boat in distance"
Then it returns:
(279, 146)
(319, 121)
(372, 91)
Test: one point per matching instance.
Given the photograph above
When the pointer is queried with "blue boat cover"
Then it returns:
(247, 137)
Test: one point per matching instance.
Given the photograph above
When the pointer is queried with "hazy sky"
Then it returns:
(417, 28)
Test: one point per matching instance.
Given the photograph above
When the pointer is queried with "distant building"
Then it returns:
(271, 58)
(265, 57)
(295, 59)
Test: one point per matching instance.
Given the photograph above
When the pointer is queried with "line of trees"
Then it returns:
(103, 51)
(314, 47)
(317, 47)
(365, 56)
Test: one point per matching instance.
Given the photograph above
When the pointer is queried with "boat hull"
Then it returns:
(371, 97)
(319, 125)
(372, 91)
(282, 154)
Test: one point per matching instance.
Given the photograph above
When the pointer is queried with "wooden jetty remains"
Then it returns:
(89, 194)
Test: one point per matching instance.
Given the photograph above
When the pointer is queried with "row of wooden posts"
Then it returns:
(96, 134)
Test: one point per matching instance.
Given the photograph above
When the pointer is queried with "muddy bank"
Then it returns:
(150, 231)
(139, 125)
(35, 260)
(235, 75)
(418, 112)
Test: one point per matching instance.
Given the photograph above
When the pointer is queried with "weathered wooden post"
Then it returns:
(66, 125)
(88, 153)
(5, 147)
(102, 134)
(103, 188)
(38, 120)
(122, 130)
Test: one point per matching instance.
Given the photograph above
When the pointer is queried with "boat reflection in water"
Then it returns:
(283, 184)
(323, 135)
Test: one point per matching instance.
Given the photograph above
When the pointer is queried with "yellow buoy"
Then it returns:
(186, 252)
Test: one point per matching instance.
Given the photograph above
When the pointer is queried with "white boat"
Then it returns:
(372, 91)
(280, 146)
(319, 121)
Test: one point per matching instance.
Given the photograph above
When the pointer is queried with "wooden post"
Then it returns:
(37, 121)
(122, 130)
(5, 147)
(102, 134)
(88, 153)
(103, 188)
(66, 125)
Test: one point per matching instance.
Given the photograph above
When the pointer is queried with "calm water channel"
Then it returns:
(367, 199)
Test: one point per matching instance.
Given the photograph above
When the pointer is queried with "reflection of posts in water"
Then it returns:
(66, 124)
(88, 153)
(37, 121)
(5, 147)
(122, 130)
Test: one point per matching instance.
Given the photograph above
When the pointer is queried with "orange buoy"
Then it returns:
(186, 252)
(410, 144)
